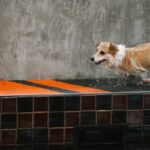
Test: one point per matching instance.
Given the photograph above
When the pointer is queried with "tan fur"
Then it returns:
(140, 55)
(131, 62)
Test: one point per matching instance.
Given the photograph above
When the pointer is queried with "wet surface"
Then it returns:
(130, 84)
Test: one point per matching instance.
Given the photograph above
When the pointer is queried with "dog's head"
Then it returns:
(105, 52)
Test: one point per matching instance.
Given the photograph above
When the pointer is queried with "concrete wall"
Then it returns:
(55, 38)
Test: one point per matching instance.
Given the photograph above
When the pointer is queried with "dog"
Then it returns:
(128, 61)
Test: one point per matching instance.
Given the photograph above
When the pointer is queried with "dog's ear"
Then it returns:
(97, 44)
(113, 48)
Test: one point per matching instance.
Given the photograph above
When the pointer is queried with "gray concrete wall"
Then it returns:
(43, 39)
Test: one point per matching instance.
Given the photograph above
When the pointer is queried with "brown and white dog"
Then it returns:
(134, 60)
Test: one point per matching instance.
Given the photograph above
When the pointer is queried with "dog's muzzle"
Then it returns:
(97, 62)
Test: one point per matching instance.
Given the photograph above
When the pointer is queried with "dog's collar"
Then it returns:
(120, 55)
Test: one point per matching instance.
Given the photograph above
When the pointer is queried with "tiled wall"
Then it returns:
(50, 120)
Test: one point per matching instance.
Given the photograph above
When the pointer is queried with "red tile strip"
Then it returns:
(68, 86)
(8, 88)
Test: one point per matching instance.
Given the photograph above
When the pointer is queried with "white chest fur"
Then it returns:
(120, 55)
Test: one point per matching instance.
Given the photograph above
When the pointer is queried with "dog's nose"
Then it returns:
(92, 58)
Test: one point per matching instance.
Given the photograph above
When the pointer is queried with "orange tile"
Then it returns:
(68, 86)
(8, 88)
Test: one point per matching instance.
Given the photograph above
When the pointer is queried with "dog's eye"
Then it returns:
(102, 52)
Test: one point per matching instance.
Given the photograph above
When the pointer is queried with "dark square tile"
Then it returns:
(24, 147)
(25, 104)
(135, 101)
(103, 102)
(69, 132)
(56, 119)
(40, 136)
(8, 137)
(135, 147)
(146, 135)
(8, 104)
(25, 120)
(88, 118)
(56, 136)
(56, 104)
(88, 103)
(41, 120)
(103, 118)
(40, 103)
(146, 117)
(119, 102)
(8, 121)
(146, 101)
(119, 117)
(72, 119)
(72, 103)
(8, 147)
(146, 146)
(134, 135)
(56, 147)
(135, 117)
(69, 146)
(25, 136)
(41, 147)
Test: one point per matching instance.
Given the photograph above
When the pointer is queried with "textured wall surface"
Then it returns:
(55, 38)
